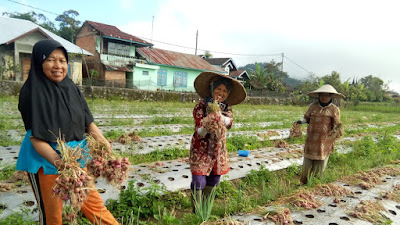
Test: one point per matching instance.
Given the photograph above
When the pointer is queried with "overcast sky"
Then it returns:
(356, 38)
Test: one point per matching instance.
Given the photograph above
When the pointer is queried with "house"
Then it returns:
(123, 60)
(16, 49)
(114, 53)
(169, 70)
(229, 67)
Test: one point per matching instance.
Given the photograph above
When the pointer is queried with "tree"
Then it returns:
(375, 88)
(258, 77)
(69, 26)
(39, 19)
(334, 80)
(207, 54)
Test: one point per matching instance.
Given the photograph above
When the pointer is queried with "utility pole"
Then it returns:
(282, 68)
(152, 25)
(197, 36)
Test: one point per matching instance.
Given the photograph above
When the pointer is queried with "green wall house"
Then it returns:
(169, 70)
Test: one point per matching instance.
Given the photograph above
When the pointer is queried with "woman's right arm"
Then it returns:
(46, 151)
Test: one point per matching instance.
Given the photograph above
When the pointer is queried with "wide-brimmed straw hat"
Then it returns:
(202, 85)
(326, 89)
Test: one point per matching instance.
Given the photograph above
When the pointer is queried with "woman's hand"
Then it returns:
(96, 133)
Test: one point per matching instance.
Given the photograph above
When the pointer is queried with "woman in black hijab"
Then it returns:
(52, 105)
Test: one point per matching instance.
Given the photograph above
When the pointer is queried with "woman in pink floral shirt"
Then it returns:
(324, 128)
(208, 153)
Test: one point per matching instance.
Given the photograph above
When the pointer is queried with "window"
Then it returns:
(118, 49)
(180, 79)
(145, 72)
(162, 77)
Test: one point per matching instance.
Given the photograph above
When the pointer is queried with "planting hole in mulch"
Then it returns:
(122, 187)
(185, 176)
(345, 218)
(333, 224)
(297, 222)
(249, 164)
(29, 203)
(321, 210)
(140, 184)
(15, 158)
(332, 205)
(171, 178)
(101, 190)
(257, 219)
(342, 200)
(156, 181)
(187, 168)
(175, 170)
(258, 164)
(3, 207)
(346, 185)
(240, 166)
(392, 212)
(358, 192)
(131, 176)
(397, 206)
(309, 216)
(179, 165)
(22, 192)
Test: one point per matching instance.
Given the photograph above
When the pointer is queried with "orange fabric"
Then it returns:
(95, 211)
(52, 204)
(93, 208)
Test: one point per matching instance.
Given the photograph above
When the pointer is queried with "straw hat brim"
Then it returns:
(326, 89)
(202, 83)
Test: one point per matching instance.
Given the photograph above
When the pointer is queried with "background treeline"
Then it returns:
(269, 76)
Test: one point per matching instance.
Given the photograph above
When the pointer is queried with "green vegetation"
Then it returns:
(375, 123)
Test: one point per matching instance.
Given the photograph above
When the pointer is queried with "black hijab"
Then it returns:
(50, 109)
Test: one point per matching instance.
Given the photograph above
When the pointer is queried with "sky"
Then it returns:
(355, 38)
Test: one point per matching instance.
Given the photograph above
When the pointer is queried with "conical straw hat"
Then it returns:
(202, 85)
(325, 89)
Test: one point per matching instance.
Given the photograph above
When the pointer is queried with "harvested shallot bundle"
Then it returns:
(295, 131)
(213, 123)
(74, 184)
(104, 163)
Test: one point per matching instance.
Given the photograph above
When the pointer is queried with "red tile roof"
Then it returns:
(113, 31)
(177, 59)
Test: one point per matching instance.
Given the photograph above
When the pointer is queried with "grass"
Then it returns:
(154, 205)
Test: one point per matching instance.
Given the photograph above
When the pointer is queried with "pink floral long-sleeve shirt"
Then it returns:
(208, 153)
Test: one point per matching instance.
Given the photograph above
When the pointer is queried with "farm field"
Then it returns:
(155, 136)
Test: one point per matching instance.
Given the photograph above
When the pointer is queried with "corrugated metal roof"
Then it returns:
(239, 73)
(176, 59)
(217, 61)
(17, 28)
(113, 31)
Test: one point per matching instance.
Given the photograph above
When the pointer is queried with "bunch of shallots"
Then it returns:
(74, 184)
(212, 122)
(105, 163)
(295, 131)
(279, 216)
(337, 131)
